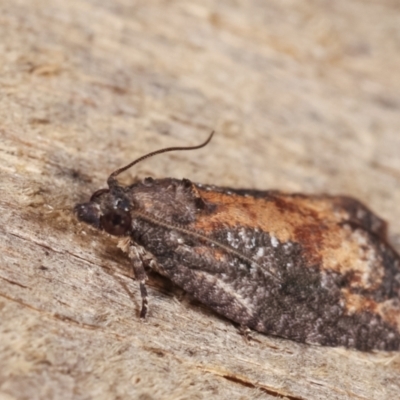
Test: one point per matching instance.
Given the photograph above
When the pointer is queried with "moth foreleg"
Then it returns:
(139, 259)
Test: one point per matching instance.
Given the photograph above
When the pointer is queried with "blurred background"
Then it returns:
(304, 96)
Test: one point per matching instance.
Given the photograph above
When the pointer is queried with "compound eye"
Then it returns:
(116, 222)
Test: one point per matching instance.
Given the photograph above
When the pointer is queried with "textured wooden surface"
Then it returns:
(304, 96)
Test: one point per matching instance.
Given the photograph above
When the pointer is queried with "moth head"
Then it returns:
(106, 211)
(109, 209)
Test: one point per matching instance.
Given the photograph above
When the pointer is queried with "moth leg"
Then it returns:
(136, 256)
(245, 332)
(139, 259)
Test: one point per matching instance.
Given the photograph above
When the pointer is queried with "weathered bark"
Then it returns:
(304, 96)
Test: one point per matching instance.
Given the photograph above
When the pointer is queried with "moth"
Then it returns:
(315, 269)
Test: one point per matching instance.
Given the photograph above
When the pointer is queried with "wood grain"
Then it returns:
(304, 96)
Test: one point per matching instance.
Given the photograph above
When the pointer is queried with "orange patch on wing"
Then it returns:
(313, 222)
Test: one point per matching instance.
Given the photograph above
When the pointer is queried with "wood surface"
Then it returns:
(304, 97)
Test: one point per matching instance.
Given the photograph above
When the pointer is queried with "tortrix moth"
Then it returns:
(314, 269)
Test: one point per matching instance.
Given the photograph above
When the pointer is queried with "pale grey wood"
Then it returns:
(304, 96)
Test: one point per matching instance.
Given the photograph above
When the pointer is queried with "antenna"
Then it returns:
(112, 181)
